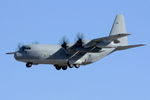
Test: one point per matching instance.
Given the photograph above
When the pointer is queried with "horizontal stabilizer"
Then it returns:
(129, 46)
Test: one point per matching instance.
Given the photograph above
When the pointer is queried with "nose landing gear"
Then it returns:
(29, 64)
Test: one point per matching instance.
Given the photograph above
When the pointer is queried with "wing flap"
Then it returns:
(91, 50)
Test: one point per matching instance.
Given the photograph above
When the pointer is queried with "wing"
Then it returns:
(95, 45)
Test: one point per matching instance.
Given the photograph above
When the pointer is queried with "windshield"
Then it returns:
(24, 48)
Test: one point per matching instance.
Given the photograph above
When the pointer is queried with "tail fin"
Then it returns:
(119, 28)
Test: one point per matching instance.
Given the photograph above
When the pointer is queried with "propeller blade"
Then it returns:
(64, 43)
(79, 41)
(35, 42)
(19, 46)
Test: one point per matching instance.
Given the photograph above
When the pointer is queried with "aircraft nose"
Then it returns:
(18, 55)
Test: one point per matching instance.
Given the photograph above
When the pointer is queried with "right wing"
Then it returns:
(95, 45)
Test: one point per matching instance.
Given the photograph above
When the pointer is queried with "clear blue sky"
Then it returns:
(122, 75)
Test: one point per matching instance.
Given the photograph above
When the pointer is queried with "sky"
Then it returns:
(123, 75)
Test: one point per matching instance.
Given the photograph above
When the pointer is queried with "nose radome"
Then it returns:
(18, 55)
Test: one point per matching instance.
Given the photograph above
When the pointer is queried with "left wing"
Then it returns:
(129, 46)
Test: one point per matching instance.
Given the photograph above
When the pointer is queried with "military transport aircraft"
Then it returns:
(82, 52)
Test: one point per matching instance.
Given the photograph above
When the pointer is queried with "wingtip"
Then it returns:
(124, 34)
(142, 44)
(127, 34)
(138, 45)
(10, 53)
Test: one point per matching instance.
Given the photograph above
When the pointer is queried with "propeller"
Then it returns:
(64, 43)
(79, 41)
(35, 42)
(19, 46)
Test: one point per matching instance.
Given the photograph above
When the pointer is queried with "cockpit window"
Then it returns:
(26, 47)
(23, 48)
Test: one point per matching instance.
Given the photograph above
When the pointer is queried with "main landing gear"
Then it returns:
(60, 67)
(65, 67)
(76, 66)
(57, 67)
(29, 64)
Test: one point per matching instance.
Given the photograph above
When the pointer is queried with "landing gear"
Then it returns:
(76, 66)
(60, 67)
(70, 66)
(64, 67)
(57, 67)
(28, 65)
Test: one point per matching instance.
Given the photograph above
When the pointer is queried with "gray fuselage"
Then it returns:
(56, 55)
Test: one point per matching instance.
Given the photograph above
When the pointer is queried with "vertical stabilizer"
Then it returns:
(119, 28)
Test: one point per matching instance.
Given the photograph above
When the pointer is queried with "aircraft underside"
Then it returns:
(58, 63)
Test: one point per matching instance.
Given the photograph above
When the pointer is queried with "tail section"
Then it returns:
(119, 28)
